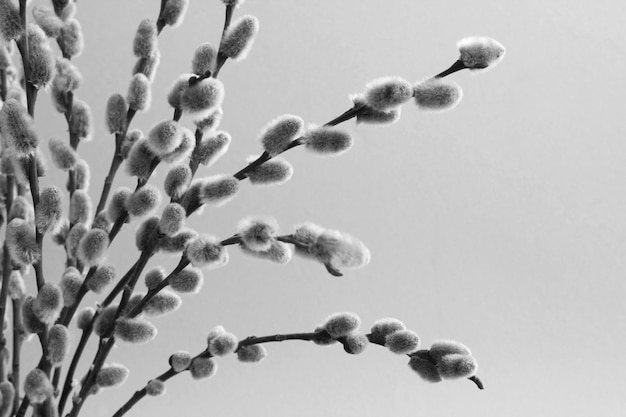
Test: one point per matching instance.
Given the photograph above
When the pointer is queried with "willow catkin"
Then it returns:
(145, 42)
(388, 92)
(174, 12)
(341, 324)
(139, 93)
(49, 209)
(112, 375)
(257, 234)
(437, 94)
(203, 59)
(116, 113)
(239, 37)
(280, 132)
(93, 247)
(402, 342)
(41, 58)
(18, 127)
(480, 53)
(67, 77)
(62, 154)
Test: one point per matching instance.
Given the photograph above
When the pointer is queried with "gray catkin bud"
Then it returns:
(58, 343)
(105, 319)
(355, 343)
(71, 38)
(145, 42)
(155, 388)
(10, 22)
(71, 282)
(373, 116)
(102, 278)
(48, 303)
(75, 235)
(278, 252)
(340, 250)
(18, 127)
(93, 247)
(83, 175)
(49, 209)
(323, 338)
(62, 154)
(177, 181)
(60, 234)
(67, 77)
(101, 222)
(342, 324)
(154, 277)
(273, 172)
(437, 94)
(162, 303)
(32, 324)
(441, 348)
(37, 386)
(47, 20)
(117, 203)
(480, 53)
(81, 123)
(192, 197)
(178, 242)
(59, 99)
(202, 368)
(206, 251)
(257, 234)
(148, 65)
(306, 234)
(148, 235)
(135, 330)
(139, 93)
(80, 207)
(116, 113)
(174, 12)
(402, 342)
(212, 148)
(424, 368)
(383, 328)
(327, 140)
(179, 361)
(187, 281)
(22, 209)
(223, 344)
(280, 132)
(219, 190)
(129, 140)
(164, 137)
(210, 122)
(7, 393)
(203, 59)
(214, 332)
(251, 353)
(182, 151)
(387, 92)
(20, 239)
(177, 89)
(5, 57)
(457, 365)
(112, 375)
(239, 38)
(41, 58)
(144, 200)
(172, 219)
(200, 99)
(85, 317)
(17, 286)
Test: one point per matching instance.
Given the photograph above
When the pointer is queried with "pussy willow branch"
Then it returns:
(18, 338)
(138, 395)
(6, 257)
(221, 58)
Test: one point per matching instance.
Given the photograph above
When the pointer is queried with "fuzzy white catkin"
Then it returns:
(49, 209)
(212, 148)
(163, 303)
(72, 242)
(83, 175)
(178, 242)
(37, 386)
(139, 162)
(31, 323)
(112, 375)
(48, 303)
(145, 42)
(327, 140)
(206, 251)
(93, 247)
(177, 181)
(280, 132)
(223, 344)
(117, 203)
(10, 22)
(203, 59)
(340, 250)
(355, 343)
(143, 201)
(20, 239)
(116, 113)
(480, 53)
(105, 319)
(373, 116)
(182, 151)
(154, 277)
(388, 92)
(187, 281)
(47, 20)
(179, 361)
(22, 209)
(155, 388)
(58, 343)
(80, 122)
(437, 94)
(384, 327)
(148, 65)
(441, 348)
(135, 330)
(174, 12)
(164, 137)
(402, 342)
(200, 99)
(219, 190)
(71, 38)
(41, 58)
(342, 324)
(257, 234)
(177, 89)
(251, 353)
(172, 219)
(147, 235)
(129, 140)
(18, 127)
(278, 252)
(62, 154)
(202, 368)
(85, 317)
(457, 365)
(80, 207)
(273, 172)
(239, 37)
(425, 369)
(210, 122)
(17, 286)
(139, 93)
(102, 278)
(67, 77)
(71, 282)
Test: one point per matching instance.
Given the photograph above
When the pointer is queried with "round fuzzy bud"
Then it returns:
(178, 242)
(457, 365)
(206, 251)
(479, 53)
(424, 367)
(278, 252)
(355, 343)
(323, 338)
(342, 324)
(41, 58)
(83, 175)
(58, 343)
(22, 209)
(187, 281)
(101, 222)
(387, 92)
(219, 190)
(32, 324)
(154, 277)
(383, 328)
(10, 22)
(437, 94)
(340, 250)
(117, 203)
(62, 154)
(441, 348)
(37, 386)
(20, 239)
(139, 93)
(144, 200)
(327, 140)
(49, 209)
(105, 319)
(116, 113)
(306, 235)
(274, 172)
(239, 37)
(48, 303)
(182, 151)
(257, 234)
(212, 148)
(177, 89)
(17, 286)
(85, 317)
(112, 375)
(47, 20)
(18, 127)
(280, 132)
(174, 12)
(202, 368)
(251, 354)
(75, 235)
(71, 282)
(210, 122)
(93, 247)
(199, 99)
(135, 330)
(67, 77)
(177, 181)
(59, 99)
(179, 361)
(214, 332)
(223, 344)
(373, 116)
(163, 303)
(71, 38)
(139, 162)
(148, 235)
(155, 388)
(402, 342)
(172, 219)
(80, 207)
(148, 65)
(145, 42)
(203, 59)
(129, 140)
(165, 137)
(7, 393)
(81, 124)
(102, 278)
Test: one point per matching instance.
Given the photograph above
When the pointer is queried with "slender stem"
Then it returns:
(3, 84)
(138, 395)
(221, 58)
(457, 66)
(243, 173)
(18, 338)
(6, 257)
(67, 386)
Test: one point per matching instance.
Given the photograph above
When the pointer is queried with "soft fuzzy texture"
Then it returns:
(437, 94)
(386, 93)
(280, 132)
(239, 37)
(342, 324)
(480, 53)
